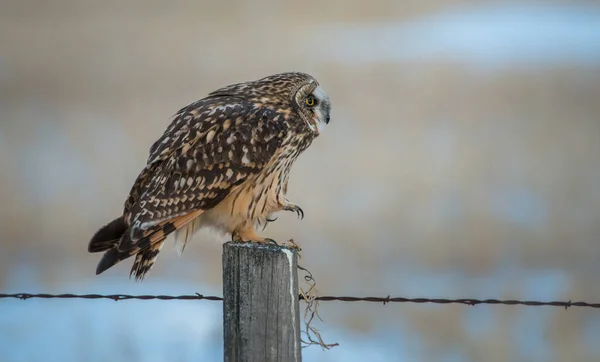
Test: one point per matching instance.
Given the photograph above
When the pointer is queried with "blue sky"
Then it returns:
(484, 36)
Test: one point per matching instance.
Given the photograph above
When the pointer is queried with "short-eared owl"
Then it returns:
(223, 162)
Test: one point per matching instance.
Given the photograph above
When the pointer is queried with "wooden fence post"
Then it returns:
(261, 315)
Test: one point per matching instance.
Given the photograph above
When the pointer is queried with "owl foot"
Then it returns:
(295, 208)
(250, 236)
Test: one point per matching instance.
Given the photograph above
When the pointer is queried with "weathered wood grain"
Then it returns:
(261, 317)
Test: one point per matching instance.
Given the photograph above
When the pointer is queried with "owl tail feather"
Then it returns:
(110, 258)
(146, 249)
(144, 261)
(108, 236)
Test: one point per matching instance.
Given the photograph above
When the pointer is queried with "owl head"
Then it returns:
(291, 93)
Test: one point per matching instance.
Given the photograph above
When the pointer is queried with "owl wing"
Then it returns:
(211, 146)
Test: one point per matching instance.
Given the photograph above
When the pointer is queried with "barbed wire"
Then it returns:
(382, 300)
(115, 297)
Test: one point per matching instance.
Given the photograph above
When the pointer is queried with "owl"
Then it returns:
(223, 162)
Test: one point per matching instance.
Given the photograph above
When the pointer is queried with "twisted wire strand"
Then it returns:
(383, 300)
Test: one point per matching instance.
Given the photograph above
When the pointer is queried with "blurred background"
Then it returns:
(462, 160)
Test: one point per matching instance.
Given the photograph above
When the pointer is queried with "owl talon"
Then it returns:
(267, 221)
(271, 241)
(295, 208)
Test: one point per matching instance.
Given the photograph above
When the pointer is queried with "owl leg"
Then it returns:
(247, 234)
(295, 208)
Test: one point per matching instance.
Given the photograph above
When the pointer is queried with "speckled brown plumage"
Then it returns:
(223, 162)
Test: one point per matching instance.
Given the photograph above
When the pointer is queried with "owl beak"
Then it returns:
(326, 110)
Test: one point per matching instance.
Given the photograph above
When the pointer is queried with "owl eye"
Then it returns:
(310, 101)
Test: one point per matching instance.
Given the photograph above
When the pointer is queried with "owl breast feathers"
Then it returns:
(223, 162)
